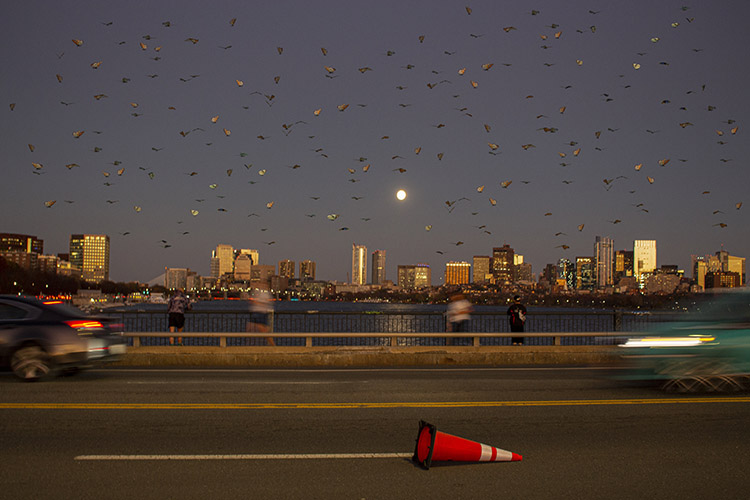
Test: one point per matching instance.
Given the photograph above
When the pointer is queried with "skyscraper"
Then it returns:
(585, 270)
(307, 270)
(457, 273)
(644, 258)
(604, 259)
(286, 268)
(411, 277)
(623, 264)
(90, 253)
(253, 254)
(567, 272)
(502, 265)
(225, 254)
(481, 269)
(359, 264)
(378, 267)
(243, 266)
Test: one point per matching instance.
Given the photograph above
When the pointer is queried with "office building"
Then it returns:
(286, 268)
(503, 268)
(732, 264)
(253, 254)
(411, 277)
(225, 256)
(243, 266)
(307, 270)
(585, 273)
(567, 271)
(90, 253)
(457, 273)
(644, 259)
(378, 267)
(10, 242)
(359, 264)
(175, 278)
(482, 270)
(623, 264)
(604, 261)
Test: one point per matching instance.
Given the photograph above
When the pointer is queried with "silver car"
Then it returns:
(39, 338)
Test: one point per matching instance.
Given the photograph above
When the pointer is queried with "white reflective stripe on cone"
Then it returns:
(503, 456)
(486, 455)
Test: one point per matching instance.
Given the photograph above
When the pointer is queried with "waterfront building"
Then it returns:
(585, 273)
(90, 253)
(503, 265)
(567, 272)
(422, 276)
(378, 267)
(225, 254)
(11, 242)
(47, 263)
(732, 264)
(524, 273)
(24, 260)
(623, 264)
(521, 269)
(252, 253)
(411, 277)
(644, 258)
(550, 273)
(214, 267)
(307, 270)
(457, 273)
(359, 264)
(243, 266)
(262, 274)
(604, 260)
(175, 277)
(65, 268)
(482, 269)
(721, 279)
(286, 268)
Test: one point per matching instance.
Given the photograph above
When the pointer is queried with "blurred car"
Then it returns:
(39, 338)
(707, 351)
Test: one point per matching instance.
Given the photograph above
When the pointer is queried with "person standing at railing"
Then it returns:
(260, 313)
(517, 318)
(178, 304)
(458, 314)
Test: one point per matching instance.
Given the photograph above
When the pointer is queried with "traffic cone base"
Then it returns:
(439, 446)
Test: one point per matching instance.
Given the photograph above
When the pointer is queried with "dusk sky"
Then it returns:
(542, 129)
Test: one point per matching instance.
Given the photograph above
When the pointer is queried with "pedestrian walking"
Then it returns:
(458, 315)
(517, 319)
(261, 310)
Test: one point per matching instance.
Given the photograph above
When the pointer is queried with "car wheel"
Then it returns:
(30, 363)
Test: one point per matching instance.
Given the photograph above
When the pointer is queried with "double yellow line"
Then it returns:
(337, 406)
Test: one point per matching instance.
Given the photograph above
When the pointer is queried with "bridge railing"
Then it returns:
(229, 340)
(386, 322)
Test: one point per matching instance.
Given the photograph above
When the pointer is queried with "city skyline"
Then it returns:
(289, 127)
(603, 268)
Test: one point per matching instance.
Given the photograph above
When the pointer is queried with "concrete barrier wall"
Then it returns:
(350, 357)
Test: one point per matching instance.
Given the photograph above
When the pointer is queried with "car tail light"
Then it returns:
(84, 324)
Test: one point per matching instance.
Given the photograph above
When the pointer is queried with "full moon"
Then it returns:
(401, 195)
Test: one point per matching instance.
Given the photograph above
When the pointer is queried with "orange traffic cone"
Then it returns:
(439, 446)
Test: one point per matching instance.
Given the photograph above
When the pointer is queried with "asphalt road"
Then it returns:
(121, 433)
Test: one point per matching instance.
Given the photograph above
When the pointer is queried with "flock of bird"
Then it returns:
(452, 85)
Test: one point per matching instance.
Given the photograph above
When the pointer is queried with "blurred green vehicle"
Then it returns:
(707, 351)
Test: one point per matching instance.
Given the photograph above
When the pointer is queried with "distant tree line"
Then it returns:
(15, 279)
